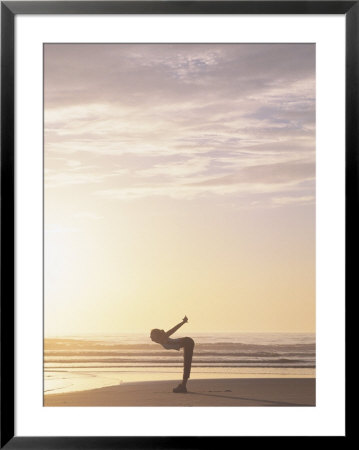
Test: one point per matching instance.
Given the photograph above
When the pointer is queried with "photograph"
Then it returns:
(179, 224)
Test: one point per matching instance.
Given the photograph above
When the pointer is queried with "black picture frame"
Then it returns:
(9, 10)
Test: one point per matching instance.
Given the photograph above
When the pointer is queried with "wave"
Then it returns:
(81, 345)
(245, 350)
(147, 366)
(85, 354)
(171, 360)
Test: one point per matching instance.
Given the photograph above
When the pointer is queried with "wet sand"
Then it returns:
(209, 392)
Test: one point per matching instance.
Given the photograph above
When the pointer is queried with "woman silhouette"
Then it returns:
(163, 338)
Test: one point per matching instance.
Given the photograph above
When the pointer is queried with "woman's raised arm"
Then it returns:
(175, 328)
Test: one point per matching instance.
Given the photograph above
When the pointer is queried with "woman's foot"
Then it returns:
(181, 388)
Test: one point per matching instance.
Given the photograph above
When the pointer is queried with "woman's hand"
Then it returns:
(174, 329)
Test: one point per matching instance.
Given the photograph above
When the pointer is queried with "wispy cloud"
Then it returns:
(308, 199)
(56, 179)
(181, 120)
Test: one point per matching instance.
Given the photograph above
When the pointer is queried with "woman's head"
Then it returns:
(157, 335)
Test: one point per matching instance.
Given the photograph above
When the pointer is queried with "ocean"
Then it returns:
(76, 363)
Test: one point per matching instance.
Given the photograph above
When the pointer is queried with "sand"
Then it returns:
(209, 392)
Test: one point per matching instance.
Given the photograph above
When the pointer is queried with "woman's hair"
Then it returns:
(156, 334)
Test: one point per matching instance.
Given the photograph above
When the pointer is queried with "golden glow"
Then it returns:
(161, 202)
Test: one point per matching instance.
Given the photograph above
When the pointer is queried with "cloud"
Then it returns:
(288, 172)
(182, 121)
(246, 185)
(181, 192)
(179, 169)
(78, 74)
(307, 199)
(55, 178)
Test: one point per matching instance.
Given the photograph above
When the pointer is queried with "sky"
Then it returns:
(179, 179)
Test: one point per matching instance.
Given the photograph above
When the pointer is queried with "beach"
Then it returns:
(85, 363)
(206, 392)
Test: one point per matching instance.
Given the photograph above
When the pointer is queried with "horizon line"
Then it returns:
(193, 332)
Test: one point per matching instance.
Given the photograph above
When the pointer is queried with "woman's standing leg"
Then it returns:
(187, 359)
(188, 345)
